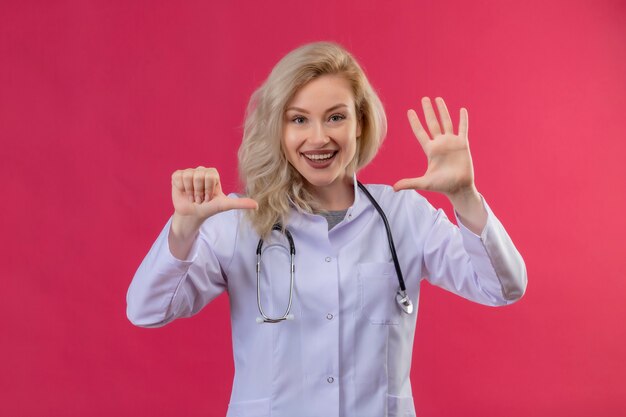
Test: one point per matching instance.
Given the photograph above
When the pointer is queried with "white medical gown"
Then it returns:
(347, 353)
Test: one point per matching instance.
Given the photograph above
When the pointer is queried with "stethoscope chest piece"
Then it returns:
(404, 302)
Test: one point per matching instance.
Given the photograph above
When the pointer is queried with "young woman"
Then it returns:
(323, 307)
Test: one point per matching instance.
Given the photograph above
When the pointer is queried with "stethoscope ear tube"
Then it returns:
(262, 320)
(292, 251)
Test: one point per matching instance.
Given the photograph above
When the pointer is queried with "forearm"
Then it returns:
(469, 207)
(183, 233)
(494, 274)
(165, 288)
(155, 283)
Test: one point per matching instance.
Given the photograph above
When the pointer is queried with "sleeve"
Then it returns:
(165, 288)
(486, 269)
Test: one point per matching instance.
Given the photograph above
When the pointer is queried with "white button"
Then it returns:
(330, 379)
(329, 316)
(327, 259)
(350, 215)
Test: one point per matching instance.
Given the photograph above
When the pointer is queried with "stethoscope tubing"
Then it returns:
(392, 246)
(401, 297)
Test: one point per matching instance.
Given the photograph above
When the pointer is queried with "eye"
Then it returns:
(298, 120)
(337, 117)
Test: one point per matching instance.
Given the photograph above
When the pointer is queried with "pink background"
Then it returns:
(100, 101)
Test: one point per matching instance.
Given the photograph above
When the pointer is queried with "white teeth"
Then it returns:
(319, 157)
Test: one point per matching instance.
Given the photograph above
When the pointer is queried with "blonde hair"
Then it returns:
(264, 169)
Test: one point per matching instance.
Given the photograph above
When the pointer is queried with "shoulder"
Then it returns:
(406, 210)
(404, 206)
(386, 196)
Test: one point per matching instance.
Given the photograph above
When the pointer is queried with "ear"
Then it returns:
(358, 127)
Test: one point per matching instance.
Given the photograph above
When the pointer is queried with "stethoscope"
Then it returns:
(401, 297)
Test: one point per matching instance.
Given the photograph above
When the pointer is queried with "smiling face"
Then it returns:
(320, 131)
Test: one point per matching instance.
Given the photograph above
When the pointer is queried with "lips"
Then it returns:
(319, 159)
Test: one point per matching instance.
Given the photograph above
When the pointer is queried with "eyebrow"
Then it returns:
(336, 106)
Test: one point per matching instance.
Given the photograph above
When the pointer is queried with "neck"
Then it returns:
(334, 197)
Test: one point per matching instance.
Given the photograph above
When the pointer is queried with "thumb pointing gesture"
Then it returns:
(197, 194)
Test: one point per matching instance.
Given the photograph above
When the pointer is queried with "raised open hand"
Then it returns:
(450, 168)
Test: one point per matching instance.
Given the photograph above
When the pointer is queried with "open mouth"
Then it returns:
(320, 157)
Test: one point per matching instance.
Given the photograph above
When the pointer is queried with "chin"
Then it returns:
(321, 181)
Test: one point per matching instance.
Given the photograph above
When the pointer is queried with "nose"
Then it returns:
(318, 136)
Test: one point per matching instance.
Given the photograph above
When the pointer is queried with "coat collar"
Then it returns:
(298, 216)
